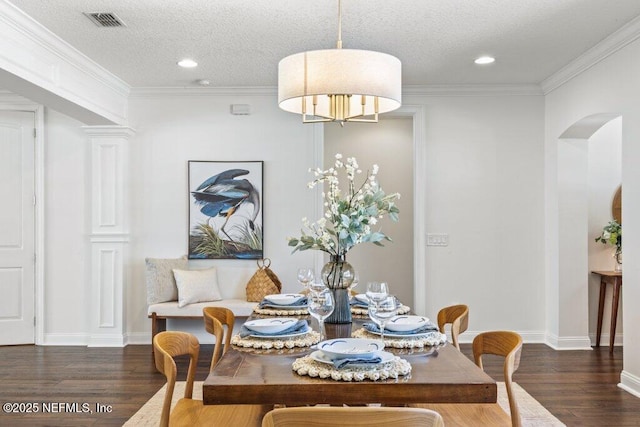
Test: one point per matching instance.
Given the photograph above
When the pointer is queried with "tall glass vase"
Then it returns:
(338, 275)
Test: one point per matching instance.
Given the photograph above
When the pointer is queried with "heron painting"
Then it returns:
(225, 210)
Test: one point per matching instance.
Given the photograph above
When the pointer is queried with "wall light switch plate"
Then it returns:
(439, 239)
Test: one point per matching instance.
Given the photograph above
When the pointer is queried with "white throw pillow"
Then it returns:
(161, 284)
(197, 286)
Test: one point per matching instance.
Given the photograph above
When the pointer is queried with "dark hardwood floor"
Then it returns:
(578, 387)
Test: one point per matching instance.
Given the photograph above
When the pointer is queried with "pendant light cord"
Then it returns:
(339, 44)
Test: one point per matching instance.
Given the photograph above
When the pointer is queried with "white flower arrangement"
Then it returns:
(349, 215)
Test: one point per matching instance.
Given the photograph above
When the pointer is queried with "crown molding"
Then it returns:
(473, 90)
(41, 64)
(20, 21)
(616, 41)
(430, 90)
(156, 92)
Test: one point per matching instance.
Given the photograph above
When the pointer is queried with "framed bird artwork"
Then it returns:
(225, 210)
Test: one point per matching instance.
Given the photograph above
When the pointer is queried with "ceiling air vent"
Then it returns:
(105, 19)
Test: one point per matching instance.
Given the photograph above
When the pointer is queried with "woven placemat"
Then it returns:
(364, 311)
(428, 340)
(306, 340)
(280, 312)
(393, 369)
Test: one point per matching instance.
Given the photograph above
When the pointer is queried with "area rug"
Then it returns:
(533, 414)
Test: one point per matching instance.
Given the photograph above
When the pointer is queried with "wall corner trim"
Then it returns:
(616, 41)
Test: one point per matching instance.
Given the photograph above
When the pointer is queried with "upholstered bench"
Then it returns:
(184, 299)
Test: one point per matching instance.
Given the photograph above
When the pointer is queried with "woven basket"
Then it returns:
(263, 282)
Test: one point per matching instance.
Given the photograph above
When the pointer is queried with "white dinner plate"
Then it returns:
(321, 357)
(406, 323)
(283, 299)
(285, 307)
(350, 347)
(398, 335)
(270, 326)
(297, 334)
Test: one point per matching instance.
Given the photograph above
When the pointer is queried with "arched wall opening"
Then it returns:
(580, 149)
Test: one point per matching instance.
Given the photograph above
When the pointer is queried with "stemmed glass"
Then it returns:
(321, 305)
(356, 280)
(377, 291)
(305, 276)
(381, 311)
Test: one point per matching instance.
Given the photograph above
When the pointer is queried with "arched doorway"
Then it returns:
(573, 229)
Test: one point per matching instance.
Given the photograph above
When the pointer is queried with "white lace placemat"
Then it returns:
(390, 341)
(364, 311)
(306, 340)
(280, 312)
(391, 369)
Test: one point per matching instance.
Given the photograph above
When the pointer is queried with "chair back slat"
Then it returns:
(314, 416)
(458, 317)
(508, 345)
(168, 345)
(215, 318)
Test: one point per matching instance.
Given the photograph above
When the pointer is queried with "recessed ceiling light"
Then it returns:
(187, 63)
(484, 60)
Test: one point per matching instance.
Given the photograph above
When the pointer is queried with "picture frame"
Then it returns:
(225, 209)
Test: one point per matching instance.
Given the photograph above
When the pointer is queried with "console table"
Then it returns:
(615, 279)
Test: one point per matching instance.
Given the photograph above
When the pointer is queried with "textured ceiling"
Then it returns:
(239, 42)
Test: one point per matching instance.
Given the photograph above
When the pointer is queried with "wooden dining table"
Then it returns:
(438, 375)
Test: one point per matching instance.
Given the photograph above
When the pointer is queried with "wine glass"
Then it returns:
(305, 276)
(382, 311)
(316, 286)
(321, 305)
(356, 280)
(377, 291)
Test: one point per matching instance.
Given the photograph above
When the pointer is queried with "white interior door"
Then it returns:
(17, 228)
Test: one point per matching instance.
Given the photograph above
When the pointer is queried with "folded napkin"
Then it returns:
(302, 301)
(300, 326)
(365, 304)
(428, 327)
(357, 303)
(341, 363)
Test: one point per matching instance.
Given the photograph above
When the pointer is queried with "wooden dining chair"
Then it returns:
(509, 345)
(215, 318)
(189, 412)
(458, 317)
(501, 343)
(320, 416)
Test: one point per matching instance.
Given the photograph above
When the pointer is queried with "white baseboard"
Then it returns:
(106, 340)
(568, 343)
(528, 337)
(604, 340)
(65, 339)
(138, 338)
(630, 383)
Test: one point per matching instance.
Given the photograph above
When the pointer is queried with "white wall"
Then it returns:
(389, 144)
(604, 177)
(484, 175)
(611, 86)
(66, 278)
(170, 130)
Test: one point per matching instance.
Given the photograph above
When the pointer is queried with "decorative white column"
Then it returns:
(109, 234)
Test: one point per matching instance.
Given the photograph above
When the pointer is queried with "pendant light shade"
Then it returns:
(339, 84)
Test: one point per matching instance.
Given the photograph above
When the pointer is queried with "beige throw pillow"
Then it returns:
(197, 286)
(161, 285)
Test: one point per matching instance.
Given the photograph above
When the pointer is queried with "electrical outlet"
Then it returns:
(439, 239)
